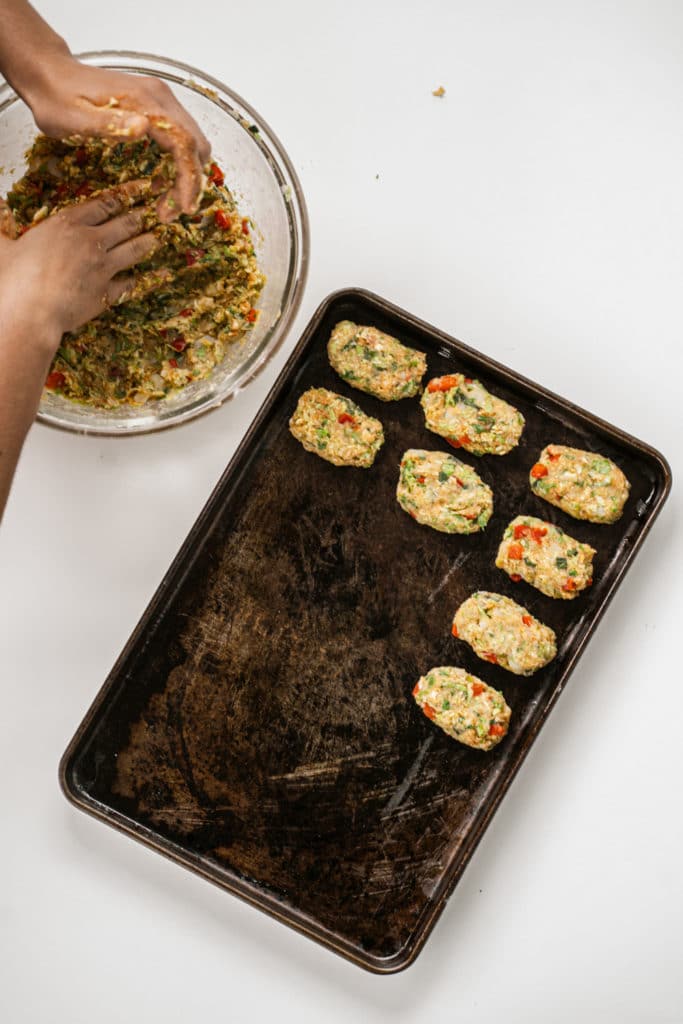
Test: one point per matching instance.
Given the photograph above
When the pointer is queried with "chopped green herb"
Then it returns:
(460, 398)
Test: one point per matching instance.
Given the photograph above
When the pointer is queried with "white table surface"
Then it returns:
(535, 212)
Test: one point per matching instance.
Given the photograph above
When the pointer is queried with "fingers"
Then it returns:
(151, 280)
(111, 122)
(176, 131)
(177, 114)
(121, 228)
(139, 285)
(119, 290)
(129, 191)
(95, 211)
(107, 204)
(185, 194)
(128, 253)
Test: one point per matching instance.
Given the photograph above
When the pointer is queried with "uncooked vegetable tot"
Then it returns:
(374, 362)
(466, 708)
(463, 411)
(583, 484)
(503, 632)
(546, 557)
(440, 491)
(336, 429)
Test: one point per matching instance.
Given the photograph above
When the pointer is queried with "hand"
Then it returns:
(88, 101)
(60, 273)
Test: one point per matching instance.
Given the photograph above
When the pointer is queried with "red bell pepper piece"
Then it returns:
(55, 380)
(222, 220)
(216, 175)
(443, 383)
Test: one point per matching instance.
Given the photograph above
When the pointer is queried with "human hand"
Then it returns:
(75, 99)
(61, 273)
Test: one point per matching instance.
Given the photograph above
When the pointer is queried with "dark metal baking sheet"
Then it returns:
(259, 728)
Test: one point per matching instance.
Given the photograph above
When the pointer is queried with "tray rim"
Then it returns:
(172, 580)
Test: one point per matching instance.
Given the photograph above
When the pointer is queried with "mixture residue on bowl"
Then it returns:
(194, 297)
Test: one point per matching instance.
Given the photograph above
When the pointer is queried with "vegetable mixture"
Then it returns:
(336, 429)
(583, 484)
(440, 491)
(466, 708)
(195, 295)
(468, 416)
(546, 557)
(373, 361)
(503, 632)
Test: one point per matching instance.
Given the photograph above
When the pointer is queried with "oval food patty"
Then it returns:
(503, 632)
(463, 411)
(546, 557)
(466, 708)
(336, 429)
(375, 362)
(583, 484)
(440, 491)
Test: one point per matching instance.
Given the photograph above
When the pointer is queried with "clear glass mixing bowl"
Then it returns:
(264, 183)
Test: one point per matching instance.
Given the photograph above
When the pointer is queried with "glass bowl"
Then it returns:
(266, 188)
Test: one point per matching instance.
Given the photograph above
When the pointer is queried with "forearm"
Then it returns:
(24, 367)
(28, 47)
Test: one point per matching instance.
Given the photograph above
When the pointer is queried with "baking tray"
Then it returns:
(259, 728)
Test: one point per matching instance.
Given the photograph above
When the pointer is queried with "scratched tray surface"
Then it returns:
(259, 726)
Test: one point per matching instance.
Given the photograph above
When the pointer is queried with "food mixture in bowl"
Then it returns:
(194, 297)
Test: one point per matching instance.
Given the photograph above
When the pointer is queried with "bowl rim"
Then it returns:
(273, 150)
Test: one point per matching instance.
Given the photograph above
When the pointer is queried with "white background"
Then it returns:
(535, 212)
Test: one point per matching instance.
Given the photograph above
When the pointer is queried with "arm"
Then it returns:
(70, 98)
(61, 273)
(25, 365)
(53, 279)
